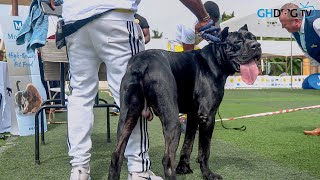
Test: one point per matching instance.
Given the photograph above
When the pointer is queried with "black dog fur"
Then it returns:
(171, 83)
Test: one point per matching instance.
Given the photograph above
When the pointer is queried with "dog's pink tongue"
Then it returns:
(249, 72)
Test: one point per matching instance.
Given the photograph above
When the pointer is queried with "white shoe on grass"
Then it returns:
(80, 173)
(146, 175)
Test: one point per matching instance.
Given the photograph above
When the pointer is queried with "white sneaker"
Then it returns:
(80, 173)
(146, 175)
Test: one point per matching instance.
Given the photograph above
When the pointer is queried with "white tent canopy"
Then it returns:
(266, 27)
(269, 48)
(261, 27)
(280, 49)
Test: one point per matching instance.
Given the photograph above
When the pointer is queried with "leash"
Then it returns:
(242, 128)
(4, 136)
(209, 32)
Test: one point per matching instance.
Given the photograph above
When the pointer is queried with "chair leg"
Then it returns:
(52, 110)
(108, 125)
(42, 126)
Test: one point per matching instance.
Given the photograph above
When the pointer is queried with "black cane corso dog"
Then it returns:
(189, 82)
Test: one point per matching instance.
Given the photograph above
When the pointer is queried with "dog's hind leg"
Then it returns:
(125, 127)
(164, 104)
(131, 107)
(184, 165)
(205, 135)
(171, 132)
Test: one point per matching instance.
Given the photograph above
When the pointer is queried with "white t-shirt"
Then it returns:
(185, 33)
(74, 10)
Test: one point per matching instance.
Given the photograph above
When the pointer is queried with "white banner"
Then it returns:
(234, 82)
(27, 90)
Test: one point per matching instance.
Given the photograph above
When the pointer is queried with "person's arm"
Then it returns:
(53, 6)
(144, 26)
(197, 8)
(146, 34)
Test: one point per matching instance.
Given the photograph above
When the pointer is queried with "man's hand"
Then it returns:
(203, 25)
(207, 31)
(52, 5)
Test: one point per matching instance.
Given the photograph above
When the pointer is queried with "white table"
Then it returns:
(5, 108)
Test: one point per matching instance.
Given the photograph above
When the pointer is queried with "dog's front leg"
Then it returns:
(184, 164)
(205, 135)
(204, 109)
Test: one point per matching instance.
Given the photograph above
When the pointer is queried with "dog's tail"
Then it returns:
(147, 111)
(133, 88)
(17, 84)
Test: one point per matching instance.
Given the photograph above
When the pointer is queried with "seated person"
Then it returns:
(143, 23)
(186, 38)
(2, 55)
(2, 51)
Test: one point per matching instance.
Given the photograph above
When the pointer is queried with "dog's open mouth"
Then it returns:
(249, 71)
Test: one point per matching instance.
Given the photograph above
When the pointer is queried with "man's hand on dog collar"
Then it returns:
(203, 25)
(210, 37)
(207, 31)
(206, 26)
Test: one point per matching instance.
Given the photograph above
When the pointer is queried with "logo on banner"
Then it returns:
(17, 25)
(304, 10)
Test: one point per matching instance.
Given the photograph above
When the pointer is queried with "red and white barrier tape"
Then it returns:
(271, 113)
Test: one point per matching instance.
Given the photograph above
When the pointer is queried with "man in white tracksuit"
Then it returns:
(107, 35)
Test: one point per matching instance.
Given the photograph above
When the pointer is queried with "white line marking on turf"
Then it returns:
(271, 113)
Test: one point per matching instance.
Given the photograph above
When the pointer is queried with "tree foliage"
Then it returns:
(156, 34)
(280, 65)
(226, 17)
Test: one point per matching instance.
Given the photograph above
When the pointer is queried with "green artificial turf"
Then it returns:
(272, 147)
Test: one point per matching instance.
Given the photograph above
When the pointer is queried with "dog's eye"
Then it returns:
(254, 37)
(238, 42)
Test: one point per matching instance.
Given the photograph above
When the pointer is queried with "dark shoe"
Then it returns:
(315, 132)
(114, 112)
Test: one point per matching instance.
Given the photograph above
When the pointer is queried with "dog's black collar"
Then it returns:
(224, 61)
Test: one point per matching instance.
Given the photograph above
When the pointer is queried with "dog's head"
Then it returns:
(242, 50)
(31, 93)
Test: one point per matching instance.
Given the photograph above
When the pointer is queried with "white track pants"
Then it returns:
(113, 39)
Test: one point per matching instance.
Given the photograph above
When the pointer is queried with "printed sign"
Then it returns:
(28, 92)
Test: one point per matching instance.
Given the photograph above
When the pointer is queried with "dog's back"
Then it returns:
(184, 70)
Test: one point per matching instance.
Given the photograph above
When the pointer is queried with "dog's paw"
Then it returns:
(212, 176)
(183, 168)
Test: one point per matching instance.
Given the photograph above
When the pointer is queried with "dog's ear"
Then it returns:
(224, 34)
(244, 28)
